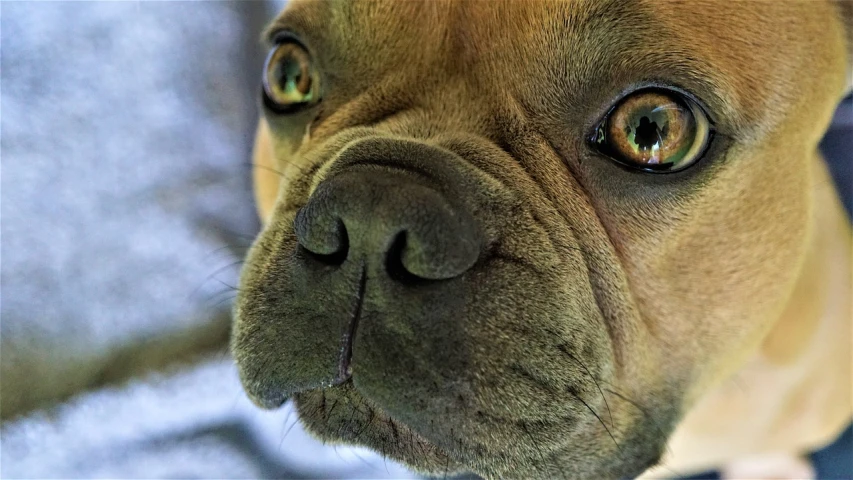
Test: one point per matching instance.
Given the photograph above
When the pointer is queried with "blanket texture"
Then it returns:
(126, 131)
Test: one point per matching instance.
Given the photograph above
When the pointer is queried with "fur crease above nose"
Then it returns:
(390, 218)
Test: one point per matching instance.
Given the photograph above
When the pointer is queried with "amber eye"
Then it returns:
(290, 80)
(654, 130)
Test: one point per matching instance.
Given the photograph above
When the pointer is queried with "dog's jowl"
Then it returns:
(540, 238)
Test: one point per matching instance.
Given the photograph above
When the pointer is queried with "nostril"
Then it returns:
(324, 241)
(333, 259)
(394, 263)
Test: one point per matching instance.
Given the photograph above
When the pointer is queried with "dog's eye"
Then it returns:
(290, 79)
(654, 130)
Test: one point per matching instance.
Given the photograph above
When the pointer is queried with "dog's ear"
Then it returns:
(845, 10)
(264, 172)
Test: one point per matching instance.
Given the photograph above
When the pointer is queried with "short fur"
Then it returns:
(609, 313)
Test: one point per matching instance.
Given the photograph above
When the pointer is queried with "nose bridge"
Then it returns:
(396, 162)
(442, 100)
(466, 104)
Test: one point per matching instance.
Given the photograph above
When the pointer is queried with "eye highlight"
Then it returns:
(290, 78)
(654, 130)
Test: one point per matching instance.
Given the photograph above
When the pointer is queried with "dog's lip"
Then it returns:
(269, 403)
(397, 449)
(345, 362)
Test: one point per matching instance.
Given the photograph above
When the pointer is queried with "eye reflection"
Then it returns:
(655, 130)
(290, 79)
(646, 136)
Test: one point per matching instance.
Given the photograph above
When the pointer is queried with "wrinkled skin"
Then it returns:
(565, 324)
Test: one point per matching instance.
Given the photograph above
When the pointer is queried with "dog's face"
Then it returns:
(519, 238)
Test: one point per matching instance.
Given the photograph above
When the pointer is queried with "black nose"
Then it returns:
(388, 217)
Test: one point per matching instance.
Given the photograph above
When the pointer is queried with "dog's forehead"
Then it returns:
(482, 24)
(457, 26)
(728, 53)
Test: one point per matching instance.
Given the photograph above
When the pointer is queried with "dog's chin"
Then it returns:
(342, 415)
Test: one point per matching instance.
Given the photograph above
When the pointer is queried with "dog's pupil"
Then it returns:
(648, 133)
(289, 75)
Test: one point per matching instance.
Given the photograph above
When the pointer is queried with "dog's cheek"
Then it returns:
(276, 166)
(725, 268)
(266, 180)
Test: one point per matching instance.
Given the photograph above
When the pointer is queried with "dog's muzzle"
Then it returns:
(368, 272)
(388, 220)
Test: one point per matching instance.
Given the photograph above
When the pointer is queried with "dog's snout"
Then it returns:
(391, 220)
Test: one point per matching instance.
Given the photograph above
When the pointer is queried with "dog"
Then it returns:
(553, 239)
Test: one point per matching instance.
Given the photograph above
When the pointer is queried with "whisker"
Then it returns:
(299, 169)
(223, 355)
(209, 277)
(235, 234)
(364, 461)
(219, 296)
(599, 419)
(638, 407)
(331, 409)
(594, 380)
(338, 454)
(231, 298)
(295, 421)
(219, 270)
(535, 444)
(232, 287)
(226, 247)
(654, 423)
(283, 426)
(270, 169)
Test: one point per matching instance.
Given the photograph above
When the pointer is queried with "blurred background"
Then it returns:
(126, 207)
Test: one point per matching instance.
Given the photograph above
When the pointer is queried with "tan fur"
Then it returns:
(726, 304)
(794, 395)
